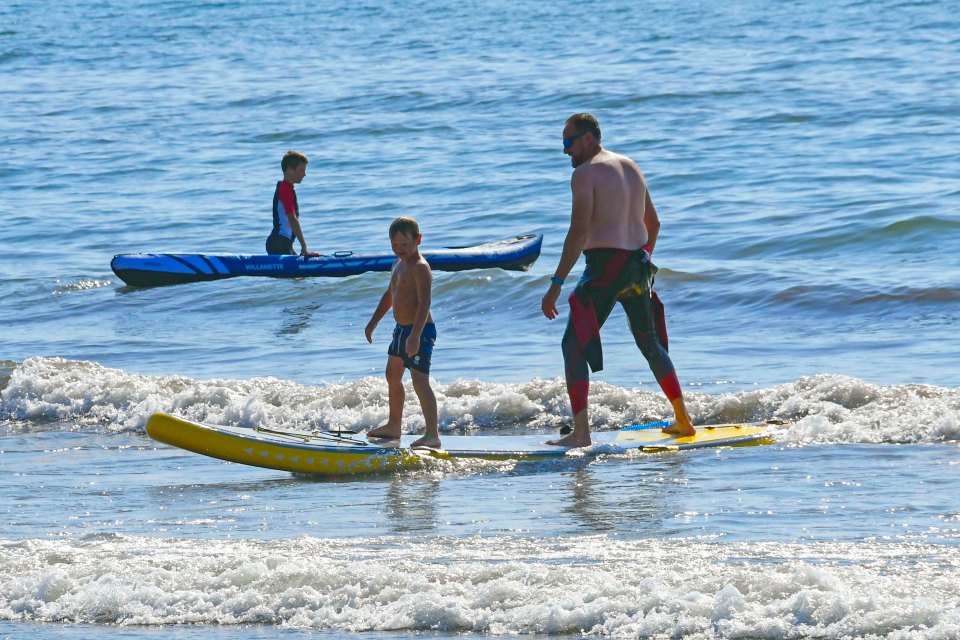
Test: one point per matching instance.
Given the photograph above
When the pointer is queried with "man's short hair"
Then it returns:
(585, 122)
(404, 224)
(292, 159)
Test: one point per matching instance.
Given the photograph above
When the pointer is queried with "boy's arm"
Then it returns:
(423, 279)
(386, 301)
(298, 234)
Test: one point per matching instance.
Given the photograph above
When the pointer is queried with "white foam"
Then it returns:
(494, 585)
(821, 409)
(82, 285)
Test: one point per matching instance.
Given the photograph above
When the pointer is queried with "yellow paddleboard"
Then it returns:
(336, 454)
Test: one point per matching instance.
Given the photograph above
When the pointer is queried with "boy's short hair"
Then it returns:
(292, 159)
(584, 122)
(404, 224)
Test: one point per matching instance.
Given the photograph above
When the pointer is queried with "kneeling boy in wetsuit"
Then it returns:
(286, 212)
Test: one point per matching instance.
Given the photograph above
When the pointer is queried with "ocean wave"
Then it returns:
(496, 585)
(55, 393)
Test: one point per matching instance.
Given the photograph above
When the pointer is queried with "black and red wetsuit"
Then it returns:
(280, 240)
(611, 276)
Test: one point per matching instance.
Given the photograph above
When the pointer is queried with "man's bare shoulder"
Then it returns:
(587, 172)
(602, 162)
(613, 157)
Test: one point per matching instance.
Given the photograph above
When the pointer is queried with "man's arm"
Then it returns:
(581, 217)
(651, 221)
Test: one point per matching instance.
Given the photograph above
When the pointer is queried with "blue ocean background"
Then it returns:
(803, 159)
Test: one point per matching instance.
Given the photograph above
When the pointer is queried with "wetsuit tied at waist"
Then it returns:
(611, 276)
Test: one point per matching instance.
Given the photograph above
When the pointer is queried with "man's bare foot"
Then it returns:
(680, 430)
(572, 440)
(426, 441)
(385, 431)
(682, 426)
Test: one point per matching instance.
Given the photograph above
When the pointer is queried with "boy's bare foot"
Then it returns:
(572, 440)
(426, 441)
(385, 431)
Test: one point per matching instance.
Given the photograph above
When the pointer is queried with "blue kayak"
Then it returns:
(159, 269)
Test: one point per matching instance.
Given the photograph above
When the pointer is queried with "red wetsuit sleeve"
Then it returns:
(287, 198)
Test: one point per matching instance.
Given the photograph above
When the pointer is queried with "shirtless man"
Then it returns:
(615, 225)
(413, 337)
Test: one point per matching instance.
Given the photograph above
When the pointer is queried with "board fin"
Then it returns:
(430, 452)
(659, 448)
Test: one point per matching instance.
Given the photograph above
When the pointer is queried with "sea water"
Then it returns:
(803, 160)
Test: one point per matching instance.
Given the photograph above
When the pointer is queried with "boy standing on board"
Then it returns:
(286, 212)
(413, 337)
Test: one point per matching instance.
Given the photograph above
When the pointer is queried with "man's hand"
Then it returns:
(369, 331)
(549, 303)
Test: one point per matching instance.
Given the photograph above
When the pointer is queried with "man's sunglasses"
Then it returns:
(568, 142)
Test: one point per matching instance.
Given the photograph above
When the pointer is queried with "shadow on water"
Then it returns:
(296, 319)
(614, 493)
(633, 497)
(412, 506)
